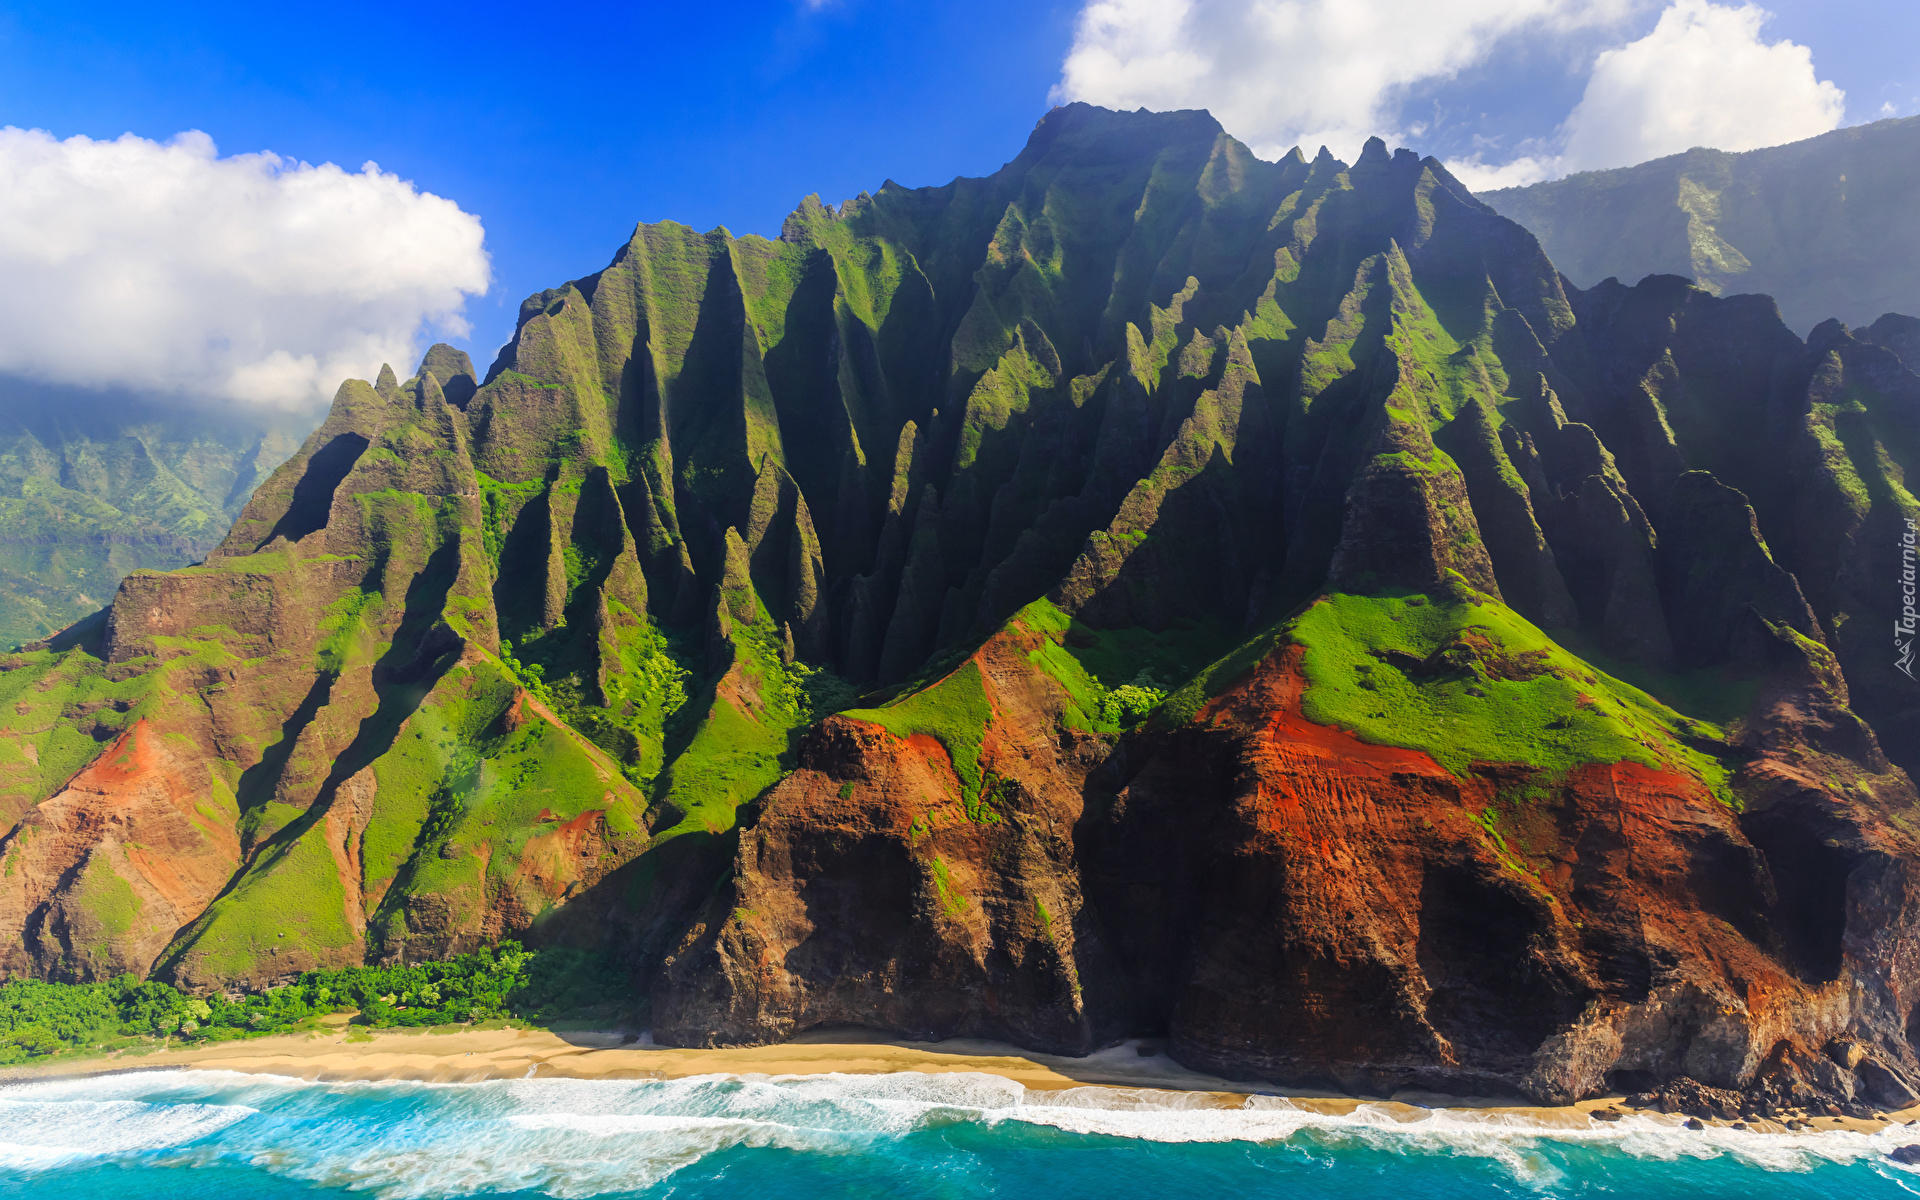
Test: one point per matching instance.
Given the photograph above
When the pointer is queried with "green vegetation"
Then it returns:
(1139, 327)
(290, 895)
(487, 783)
(953, 901)
(343, 629)
(110, 901)
(644, 692)
(1469, 680)
(94, 487)
(1089, 706)
(1092, 664)
(740, 743)
(1129, 703)
(1758, 221)
(984, 809)
(1185, 703)
(955, 712)
(1118, 657)
(500, 505)
(1716, 695)
(37, 690)
(42, 1020)
(462, 795)
(730, 759)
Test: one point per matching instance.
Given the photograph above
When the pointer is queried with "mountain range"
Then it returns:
(96, 484)
(1825, 226)
(1146, 590)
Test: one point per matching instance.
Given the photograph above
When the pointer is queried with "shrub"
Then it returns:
(38, 1019)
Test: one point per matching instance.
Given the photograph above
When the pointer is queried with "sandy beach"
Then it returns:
(460, 1055)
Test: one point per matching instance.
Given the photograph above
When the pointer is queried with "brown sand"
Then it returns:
(467, 1055)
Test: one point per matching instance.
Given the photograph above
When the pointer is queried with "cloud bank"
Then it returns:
(1703, 77)
(1280, 73)
(163, 267)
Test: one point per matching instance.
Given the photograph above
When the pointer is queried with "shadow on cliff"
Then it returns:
(423, 649)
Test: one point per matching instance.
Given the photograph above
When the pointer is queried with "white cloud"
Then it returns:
(164, 267)
(1479, 176)
(1703, 77)
(1280, 73)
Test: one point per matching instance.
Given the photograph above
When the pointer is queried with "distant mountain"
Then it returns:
(94, 485)
(1829, 227)
(1290, 620)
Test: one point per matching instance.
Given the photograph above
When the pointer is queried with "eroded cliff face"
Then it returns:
(323, 756)
(1320, 908)
(1287, 901)
(884, 884)
(100, 875)
(785, 617)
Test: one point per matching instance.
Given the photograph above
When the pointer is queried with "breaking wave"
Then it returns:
(945, 1134)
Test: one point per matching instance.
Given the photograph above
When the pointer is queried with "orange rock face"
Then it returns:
(98, 878)
(1289, 902)
(864, 891)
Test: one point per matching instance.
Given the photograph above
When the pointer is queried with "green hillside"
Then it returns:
(95, 485)
(1825, 226)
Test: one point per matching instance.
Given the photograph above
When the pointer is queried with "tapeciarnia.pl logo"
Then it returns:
(1903, 629)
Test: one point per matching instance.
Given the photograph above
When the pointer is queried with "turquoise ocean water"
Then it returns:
(207, 1135)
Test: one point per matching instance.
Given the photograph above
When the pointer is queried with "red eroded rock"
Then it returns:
(1304, 906)
(865, 893)
(98, 877)
(1285, 901)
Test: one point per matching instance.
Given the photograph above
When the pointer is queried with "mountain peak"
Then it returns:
(1113, 135)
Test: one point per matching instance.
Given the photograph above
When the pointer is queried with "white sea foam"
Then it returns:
(38, 1132)
(580, 1138)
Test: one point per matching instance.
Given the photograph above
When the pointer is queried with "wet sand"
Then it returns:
(460, 1055)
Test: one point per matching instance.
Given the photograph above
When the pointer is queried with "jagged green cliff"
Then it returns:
(94, 485)
(1261, 602)
(1824, 226)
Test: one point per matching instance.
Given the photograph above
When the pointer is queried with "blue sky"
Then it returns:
(560, 126)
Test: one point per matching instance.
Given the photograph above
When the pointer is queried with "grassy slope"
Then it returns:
(291, 898)
(741, 744)
(954, 711)
(458, 798)
(38, 749)
(1468, 680)
(494, 791)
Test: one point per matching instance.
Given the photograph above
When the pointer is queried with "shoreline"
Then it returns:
(463, 1055)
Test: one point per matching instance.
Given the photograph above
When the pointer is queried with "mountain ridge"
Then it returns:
(93, 485)
(1147, 589)
(1816, 224)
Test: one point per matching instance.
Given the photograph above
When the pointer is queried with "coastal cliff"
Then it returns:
(1149, 590)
